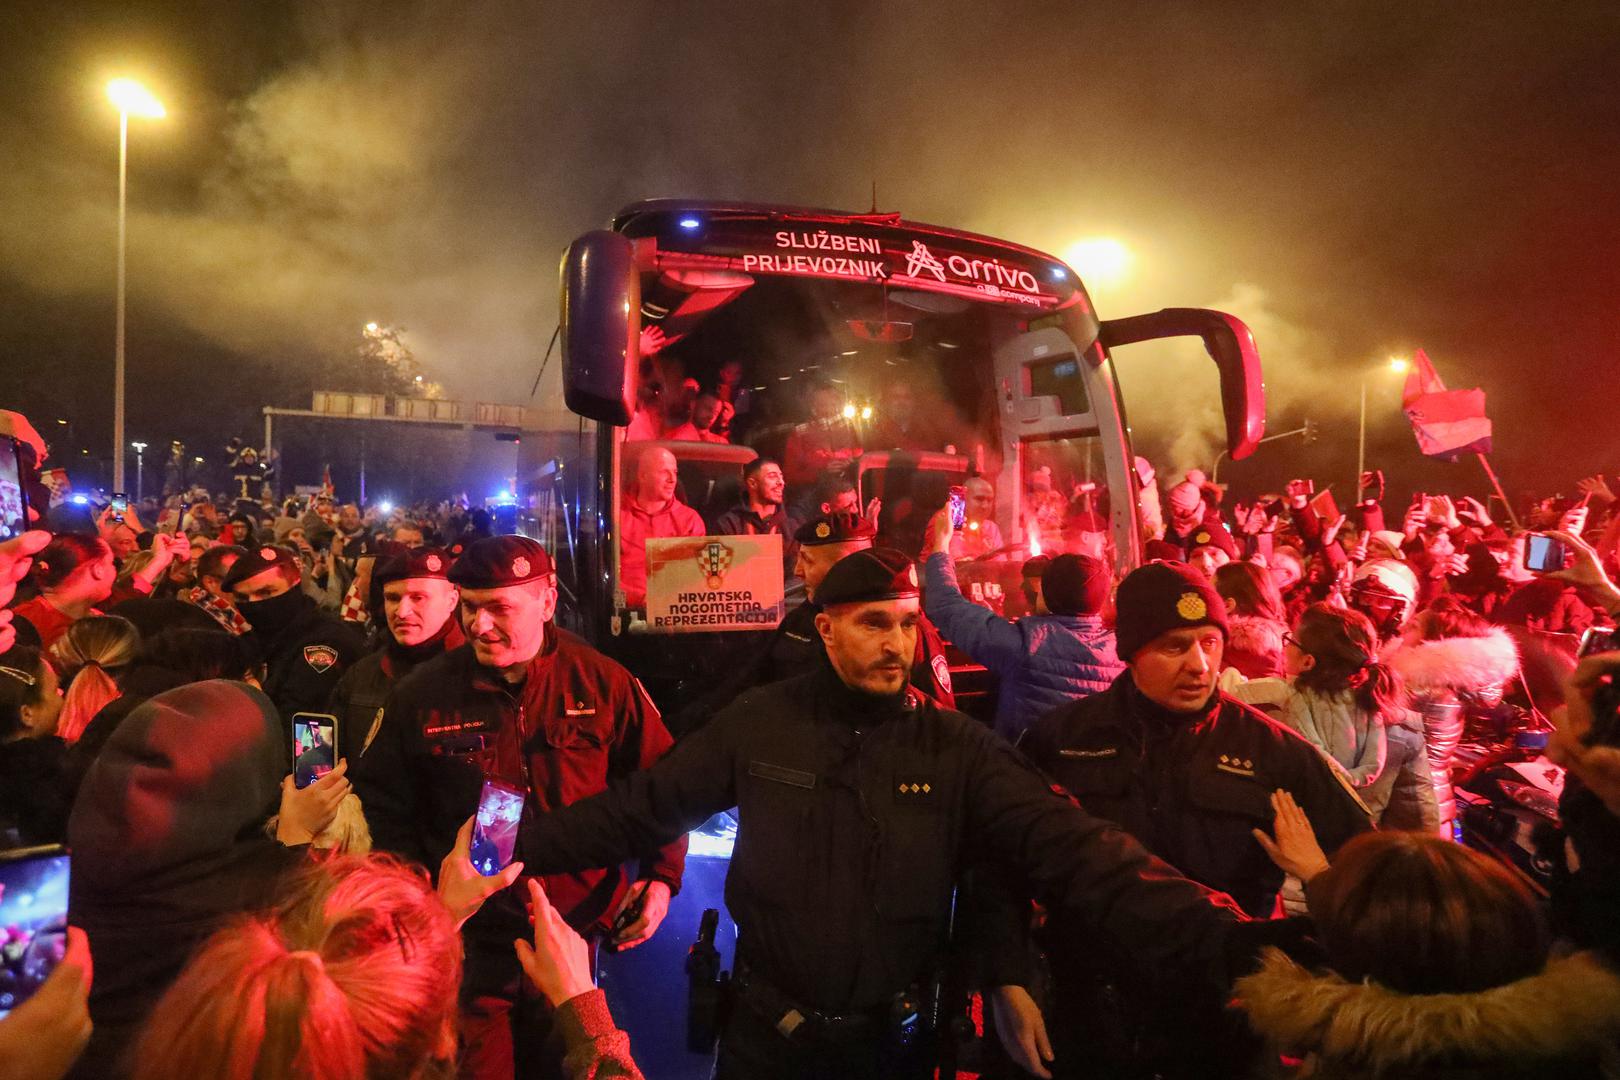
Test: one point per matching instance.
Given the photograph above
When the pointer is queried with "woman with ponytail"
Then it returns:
(73, 574)
(34, 796)
(354, 975)
(91, 657)
(1349, 705)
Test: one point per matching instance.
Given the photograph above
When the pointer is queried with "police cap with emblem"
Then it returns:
(495, 562)
(422, 562)
(873, 574)
(1160, 597)
(259, 558)
(842, 527)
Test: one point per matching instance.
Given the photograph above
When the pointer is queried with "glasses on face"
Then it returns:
(1288, 638)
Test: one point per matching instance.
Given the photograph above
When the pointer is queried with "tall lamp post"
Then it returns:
(1398, 367)
(140, 469)
(132, 99)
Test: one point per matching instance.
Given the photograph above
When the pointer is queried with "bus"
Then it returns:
(882, 362)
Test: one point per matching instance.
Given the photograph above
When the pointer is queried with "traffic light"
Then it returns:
(1312, 432)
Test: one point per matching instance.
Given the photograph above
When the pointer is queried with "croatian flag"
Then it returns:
(1447, 423)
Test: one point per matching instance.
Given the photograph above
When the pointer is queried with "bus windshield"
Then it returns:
(870, 398)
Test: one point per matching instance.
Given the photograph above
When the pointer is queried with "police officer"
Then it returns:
(859, 800)
(419, 609)
(530, 705)
(306, 650)
(795, 647)
(1190, 773)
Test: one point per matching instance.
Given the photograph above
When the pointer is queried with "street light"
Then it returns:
(1397, 365)
(132, 99)
(1100, 261)
(140, 469)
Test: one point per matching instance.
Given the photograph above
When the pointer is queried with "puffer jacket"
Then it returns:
(1041, 661)
(1560, 1023)
(1445, 679)
(1388, 766)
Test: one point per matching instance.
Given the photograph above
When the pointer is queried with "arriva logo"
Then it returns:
(990, 275)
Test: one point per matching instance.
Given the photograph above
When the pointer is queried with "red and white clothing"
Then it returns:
(637, 525)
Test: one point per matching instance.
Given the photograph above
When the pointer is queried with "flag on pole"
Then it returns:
(326, 483)
(1447, 423)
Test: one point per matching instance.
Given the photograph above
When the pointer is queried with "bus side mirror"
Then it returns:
(1229, 343)
(601, 322)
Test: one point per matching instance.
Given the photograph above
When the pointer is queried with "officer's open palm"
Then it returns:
(1022, 1029)
(653, 896)
(462, 888)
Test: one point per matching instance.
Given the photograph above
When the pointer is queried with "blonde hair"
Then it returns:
(353, 976)
(84, 654)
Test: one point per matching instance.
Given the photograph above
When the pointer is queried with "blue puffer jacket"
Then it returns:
(1042, 661)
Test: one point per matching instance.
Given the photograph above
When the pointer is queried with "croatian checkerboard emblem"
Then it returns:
(320, 657)
(268, 554)
(714, 559)
(1191, 607)
(433, 563)
(520, 567)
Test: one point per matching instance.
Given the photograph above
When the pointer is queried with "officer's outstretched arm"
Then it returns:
(1083, 867)
(640, 812)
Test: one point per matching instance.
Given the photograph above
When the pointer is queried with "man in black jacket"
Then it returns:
(419, 608)
(795, 647)
(1189, 772)
(306, 650)
(860, 800)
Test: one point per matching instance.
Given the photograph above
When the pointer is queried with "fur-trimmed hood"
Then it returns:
(1569, 1012)
(1456, 663)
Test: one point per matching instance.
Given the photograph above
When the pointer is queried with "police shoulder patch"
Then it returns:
(942, 672)
(320, 657)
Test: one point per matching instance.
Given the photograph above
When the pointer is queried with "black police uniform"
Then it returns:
(855, 816)
(1191, 788)
(305, 661)
(357, 700)
(795, 648)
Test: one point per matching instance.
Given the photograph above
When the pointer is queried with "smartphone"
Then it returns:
(494, 837)
(120, 505)
(1542, 553)
(957, 501)
(1598, 639)
(33, 919)
(314, 746)
(13, 495)
(1325, 508)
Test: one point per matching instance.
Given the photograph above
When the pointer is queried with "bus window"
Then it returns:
(1066, 497)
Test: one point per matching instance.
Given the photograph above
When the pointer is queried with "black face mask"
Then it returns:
(270, 617)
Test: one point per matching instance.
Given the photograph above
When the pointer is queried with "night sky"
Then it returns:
(1354, 179)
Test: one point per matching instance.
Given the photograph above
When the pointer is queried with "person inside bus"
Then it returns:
(650, 512)
(761, 508)
(900, 424)
(981, 536)
(707, 414)
(825, 441)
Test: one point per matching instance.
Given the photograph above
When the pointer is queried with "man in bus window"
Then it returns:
(825, 441)
(650, 512)
(760, 510)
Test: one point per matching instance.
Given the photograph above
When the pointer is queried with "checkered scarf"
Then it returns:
(222, 610)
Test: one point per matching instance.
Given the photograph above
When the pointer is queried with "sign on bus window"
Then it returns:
(701, 584)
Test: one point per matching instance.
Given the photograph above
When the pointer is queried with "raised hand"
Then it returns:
(1294, 848)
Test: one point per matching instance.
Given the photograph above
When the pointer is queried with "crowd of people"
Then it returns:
(1208, 825)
